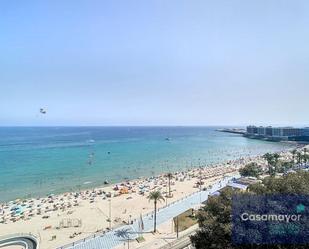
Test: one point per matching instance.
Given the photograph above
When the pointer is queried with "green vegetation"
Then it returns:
(215, 222)
(284, 166)
(300, 156)
(275, 165)
(297, 183)
(169, 177)
(185, 220)
(155, 196)
(293, 154)
(215, 218)
(140, 239)
(272, 161)
(251, 169)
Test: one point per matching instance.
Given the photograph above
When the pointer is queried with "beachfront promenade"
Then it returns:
(110, 239)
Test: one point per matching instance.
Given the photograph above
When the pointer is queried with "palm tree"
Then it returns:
(285, 166)
(299, 157)
(270, 162)
(169, 176)
(305, 155)
(155, 196)
(276, 157)
(293, 154)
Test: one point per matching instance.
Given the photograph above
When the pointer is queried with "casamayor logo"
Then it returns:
(271, 217)
(275, 217)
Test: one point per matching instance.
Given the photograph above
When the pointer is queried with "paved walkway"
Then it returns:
(110, 239)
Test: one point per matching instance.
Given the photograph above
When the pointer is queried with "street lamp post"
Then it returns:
(166, 194)
(177, 227)
(110, 214)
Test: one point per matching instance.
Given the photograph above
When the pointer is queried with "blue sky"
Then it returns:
(154, 62)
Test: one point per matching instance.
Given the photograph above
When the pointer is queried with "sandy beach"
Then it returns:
(61, 219)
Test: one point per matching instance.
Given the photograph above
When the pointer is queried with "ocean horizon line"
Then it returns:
(158, 125)
(107, 126)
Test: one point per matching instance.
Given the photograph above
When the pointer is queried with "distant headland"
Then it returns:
(272, 133)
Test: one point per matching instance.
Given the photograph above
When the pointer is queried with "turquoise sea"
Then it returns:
(36, 161)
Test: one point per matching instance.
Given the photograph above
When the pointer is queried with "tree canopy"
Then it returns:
(251, 169)
(215, 217)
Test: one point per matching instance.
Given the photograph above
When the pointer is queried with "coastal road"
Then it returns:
(27, 241)
(179, 244)
(183, 242)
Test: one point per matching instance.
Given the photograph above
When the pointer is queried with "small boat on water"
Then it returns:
(167, 139)
(106, 182)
